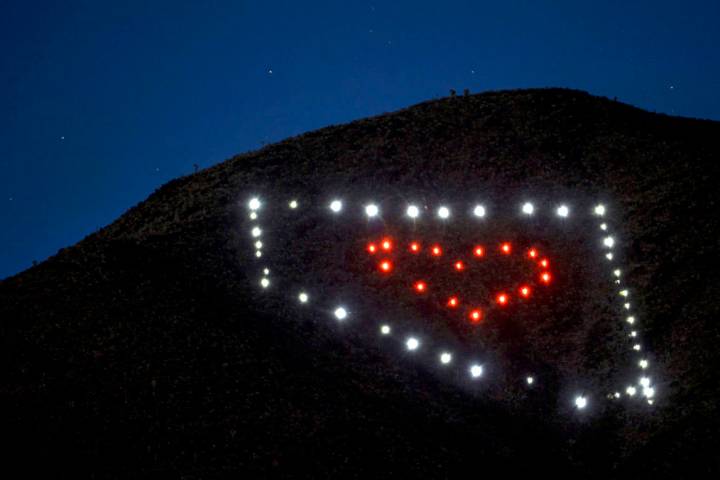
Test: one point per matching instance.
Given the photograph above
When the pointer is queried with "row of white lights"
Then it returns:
(445, 358)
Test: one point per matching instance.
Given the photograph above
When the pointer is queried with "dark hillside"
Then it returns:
(146, 350)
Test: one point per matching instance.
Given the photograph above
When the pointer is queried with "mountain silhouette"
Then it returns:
(148, 349)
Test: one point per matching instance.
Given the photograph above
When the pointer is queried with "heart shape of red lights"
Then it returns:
(391, 254)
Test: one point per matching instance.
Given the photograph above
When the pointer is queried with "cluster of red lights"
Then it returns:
(502, 299)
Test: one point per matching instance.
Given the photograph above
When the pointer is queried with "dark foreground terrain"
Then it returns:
(146, 351)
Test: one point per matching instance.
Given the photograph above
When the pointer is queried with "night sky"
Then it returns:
(103, 102)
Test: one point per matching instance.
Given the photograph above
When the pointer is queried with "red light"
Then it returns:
(452, 302)
(502, 299)
(371, 248)
(532, 253)
(545, 277)
(544, 263)
(525, 291)
(506, 248)
(386, 266)
(459, 266)
(415, 247)
(420, 287)
(386, 244)
(479, 251)
(436, 250)
(475, 315)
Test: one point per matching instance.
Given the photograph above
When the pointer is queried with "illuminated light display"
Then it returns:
(506, 248)
(303, 297)
(340, 313)
(420, 286)
(630, 319)
(631, 391)
(264, 282)
(532, 253)
(544, 263)
(371, 248)
(445, 358)
(546, 278)
(413, 211)
(336, 206)
(475, 315)
(258, 254)
(563, 211)
(386, 244)
(256, 232)
(412, 343)
(530, 380)
(581, 402)
(478, 251)
(258, 244)
(459, 266)
(609, 242)
(253, 216)
(644, 382)
(643, 364)
(617, 272)
(479, 211)
(502, 299)
(415, 247)
(266, 271)
(609, 256)
(476, 371)
(525, 291)
(386, 266)
(453, 302)
(254, 204)
(372, 210)
(385, 329)
(443, 212)
(599, 210)
(436, 250)
(528, 208)
(293, 204)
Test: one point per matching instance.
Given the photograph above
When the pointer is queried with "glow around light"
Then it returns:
(617, 272)
(445, 358)
(637, 347)
(649, 392)
(630, 319)
(258, 245)
(293, 204)
(413, 211)
(603, 226)
(600, 210)
(581, 402)
(563, 211)
(643, 364)
(609, 242)
(528, 208)
(266, 271)
(254, 203)
(256, 232)
(443, 212)
(476, 371)
(372, 210)
(385, 329)
(341, 313)
(412, 343)
(644, 382)
(530, 380)
(479, 211)
(303, 297)
(253, 216)
(609, 256)
(336, 206)
(264, 282)
(631, 391)
(258, 253)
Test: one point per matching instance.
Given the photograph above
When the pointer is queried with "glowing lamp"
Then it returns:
(256, 232)
(386, 244)
(266, 271)
(603, 226)
(609, 256)
(341, 313)
(544, 263)
(258, 254)
(528, 208)
(443, 212)
(631, 391)
(643, 364)
(479, 211)
(385, 329)
(580, 402)
(502, 299)
(649, 392)
(436, 250)
(445, 358)
(420, 287)
(371, 248)
(254, 204)
(459, 266)
(336, 206)
(386, 266)
(415, 247)
(563, 211)
(475, 315)
(476, 371)
(253, 216)
(630, 320)
(637, 347)
(413, 211)
(609, 242)
(258, 244)
(525, 291)
(293, 204)
(412, 343)
(506, 248)
(265, 282)
(453, 302)
(617, 272)
(303, 297)
(532, 253)
(372, 210)
(546, 278)
(479, 251)
(600, 210)
(644, 382)
(530, 380)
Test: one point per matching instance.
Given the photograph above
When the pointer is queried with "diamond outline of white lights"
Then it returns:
(608, 242)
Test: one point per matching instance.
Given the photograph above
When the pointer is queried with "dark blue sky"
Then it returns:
(101, 102)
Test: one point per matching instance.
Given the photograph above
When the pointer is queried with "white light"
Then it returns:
(385, 329)
(258, 254)
(443, 212)
(609, 242)
(336, 206)
(580, 402)
(617, 395)
(563, 211)
(609, 256)
(479, 211)
(633, 334)
(372, 210)
(624, 293)
(476, 371)
(256, 232)
(412, 343)
(254, 203)
(627, 306)
(253, 216)
(341, 313)
(631, 391)
(630, 319)
(293, 204)
(600, 210)
(528, 208)
(266, 271)
(637, 347)
(617, 272)
(644, 382)
(603, 226)
(265, 282)
(445, 358)
(303, 297)
(530, 380)
(643, 364)
(649, 392)
(650, 402)
(258, 244)
(413, 211)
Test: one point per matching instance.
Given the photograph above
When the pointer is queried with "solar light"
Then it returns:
(544, 263)
(623, 293)
(563, 211)
(372, 210)
(385, 329)
(443, 212)
(445, 358)
(336, 206)
(293, 204)
(530, 380)
(600, 210)
(528, 208)
(631, 391)
(643, 364)
(253, 216)
(258, 245)
(341, 313)
(412, 343)
(413, 211)
(479, 211)
(254, 203)
(609, 242)
(265, 282)
(580, 402)
(303, 297)
(476, 371)
(256, 232)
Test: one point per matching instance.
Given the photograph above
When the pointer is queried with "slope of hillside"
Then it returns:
(145, 349)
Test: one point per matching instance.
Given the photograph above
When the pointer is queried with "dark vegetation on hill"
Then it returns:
(145, 351)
